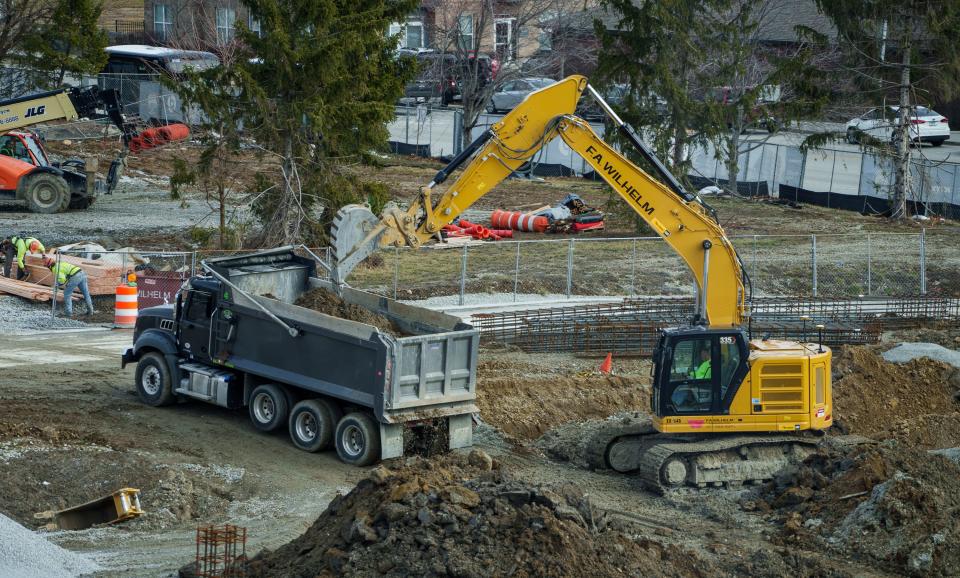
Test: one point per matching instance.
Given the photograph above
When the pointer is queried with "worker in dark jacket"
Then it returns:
(16, 248)
(69, 277)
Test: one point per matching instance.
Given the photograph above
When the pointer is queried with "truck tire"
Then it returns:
(358, 439)
(313, 423)
(153, 380)
(268, 407)
(46, 193)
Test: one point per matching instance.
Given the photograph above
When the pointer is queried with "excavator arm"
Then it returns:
(686, 224)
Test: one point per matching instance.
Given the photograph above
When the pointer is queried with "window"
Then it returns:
(410, 34)
(505, 38)
(691, 376)
(225, 21)
(254, 25)
(162, 21)
(11, 146)
(198, 306)
(465, 32)
(729, 363)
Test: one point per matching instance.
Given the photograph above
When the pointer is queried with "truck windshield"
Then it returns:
(38, 153)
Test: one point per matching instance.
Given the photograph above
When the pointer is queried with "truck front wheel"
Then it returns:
(153, 380)
(312, 424)
(358, 439)
(268, 407)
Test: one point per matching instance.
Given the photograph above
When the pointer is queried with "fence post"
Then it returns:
(457, 132)
(869, 265)
(396, 270)
(193, 263)
(463, 274)
(406, 111)
(813, 247)
(516, 273)
(633, 270)
(569, 268)
(923, 261)
(755, 279)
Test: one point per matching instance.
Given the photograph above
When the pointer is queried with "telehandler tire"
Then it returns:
(153, 380)
(46, 193)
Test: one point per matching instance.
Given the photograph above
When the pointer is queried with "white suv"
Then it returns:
(926, 125)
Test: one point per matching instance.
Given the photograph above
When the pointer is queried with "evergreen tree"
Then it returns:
(70, 42)
(900, 51)
(314, 90)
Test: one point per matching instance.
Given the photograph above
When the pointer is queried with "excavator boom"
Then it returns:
(677, 216)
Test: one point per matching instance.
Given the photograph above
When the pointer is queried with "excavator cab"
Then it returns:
(698, 371)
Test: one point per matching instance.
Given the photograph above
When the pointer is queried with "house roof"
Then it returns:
(779, 25)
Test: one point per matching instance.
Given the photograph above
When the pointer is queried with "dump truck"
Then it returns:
(235, 338)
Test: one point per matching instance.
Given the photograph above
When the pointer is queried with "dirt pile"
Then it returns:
(525, 395)
(465, 516)
(328, 303)
(897, 506)
(873, 397)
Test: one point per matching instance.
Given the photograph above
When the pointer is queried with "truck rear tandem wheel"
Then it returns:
(667, 462)
(313, 423)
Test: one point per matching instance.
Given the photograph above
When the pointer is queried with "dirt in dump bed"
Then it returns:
(876, 398)
(466, 516)
(328, 303)
(894, 505)
(524, 395)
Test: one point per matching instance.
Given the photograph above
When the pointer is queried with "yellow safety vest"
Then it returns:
(63, 271)
(22, 245)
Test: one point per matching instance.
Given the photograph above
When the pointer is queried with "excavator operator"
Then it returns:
(703, 369)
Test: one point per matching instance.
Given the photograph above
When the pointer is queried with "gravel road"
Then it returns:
(26, 554)
(140, 205)
(23, 317)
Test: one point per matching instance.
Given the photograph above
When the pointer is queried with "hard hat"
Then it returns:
(34, 246)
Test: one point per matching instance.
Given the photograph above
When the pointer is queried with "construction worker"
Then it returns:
(18, 246)
(703, 370)
(69, 277)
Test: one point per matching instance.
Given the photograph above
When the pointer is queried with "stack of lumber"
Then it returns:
(29, 290)
(102, 276)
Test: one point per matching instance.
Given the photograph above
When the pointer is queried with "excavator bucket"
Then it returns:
(349, 233)
(121, 505)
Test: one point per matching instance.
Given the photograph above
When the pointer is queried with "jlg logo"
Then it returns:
(35, 111)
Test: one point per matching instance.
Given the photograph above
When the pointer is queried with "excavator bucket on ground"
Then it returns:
(124, 504)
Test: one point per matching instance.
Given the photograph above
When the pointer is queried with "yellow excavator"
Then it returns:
(726, 409)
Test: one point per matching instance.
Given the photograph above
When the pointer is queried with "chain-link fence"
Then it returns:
(822, 266)
(826, 266)
(159, 276)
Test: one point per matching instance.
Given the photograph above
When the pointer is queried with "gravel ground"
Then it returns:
(26, 554)
(140, 205)
(22, 317)
(908, 351)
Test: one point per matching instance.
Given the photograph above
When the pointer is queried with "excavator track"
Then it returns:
(667, 462)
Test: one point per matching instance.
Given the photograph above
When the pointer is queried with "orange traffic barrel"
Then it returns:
(125, 314)
(518, 221)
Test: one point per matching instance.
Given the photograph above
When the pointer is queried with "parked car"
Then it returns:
(435, 78)
(589, 109)
(882, 124)
(513, 92)
(441, 75)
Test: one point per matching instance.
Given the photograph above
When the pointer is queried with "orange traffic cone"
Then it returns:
(607, 364)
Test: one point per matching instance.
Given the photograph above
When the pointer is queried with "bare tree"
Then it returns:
(489, 41)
